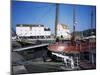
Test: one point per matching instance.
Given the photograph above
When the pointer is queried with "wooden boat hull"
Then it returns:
(69, 48)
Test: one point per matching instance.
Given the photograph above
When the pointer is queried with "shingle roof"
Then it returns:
(29, 25)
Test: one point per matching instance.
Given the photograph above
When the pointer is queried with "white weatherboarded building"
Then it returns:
(63, 31)
(24, 30)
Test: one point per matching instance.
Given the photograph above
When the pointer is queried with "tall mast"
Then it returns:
(91, 21)
(56, 19)
(74, 22)
(91, 18)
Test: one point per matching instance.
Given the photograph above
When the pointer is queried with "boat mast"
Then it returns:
(56, 19)
(91, 18)
(91, 22)
(74, 23)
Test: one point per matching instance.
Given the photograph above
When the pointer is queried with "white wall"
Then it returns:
(23, 31)
(63, 32)
(34, 31)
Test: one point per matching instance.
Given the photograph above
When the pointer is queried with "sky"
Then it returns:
(44, 13)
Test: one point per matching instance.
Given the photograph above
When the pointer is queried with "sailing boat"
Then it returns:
(68, 51)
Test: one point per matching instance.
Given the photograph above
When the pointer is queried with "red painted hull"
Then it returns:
(69, 48)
